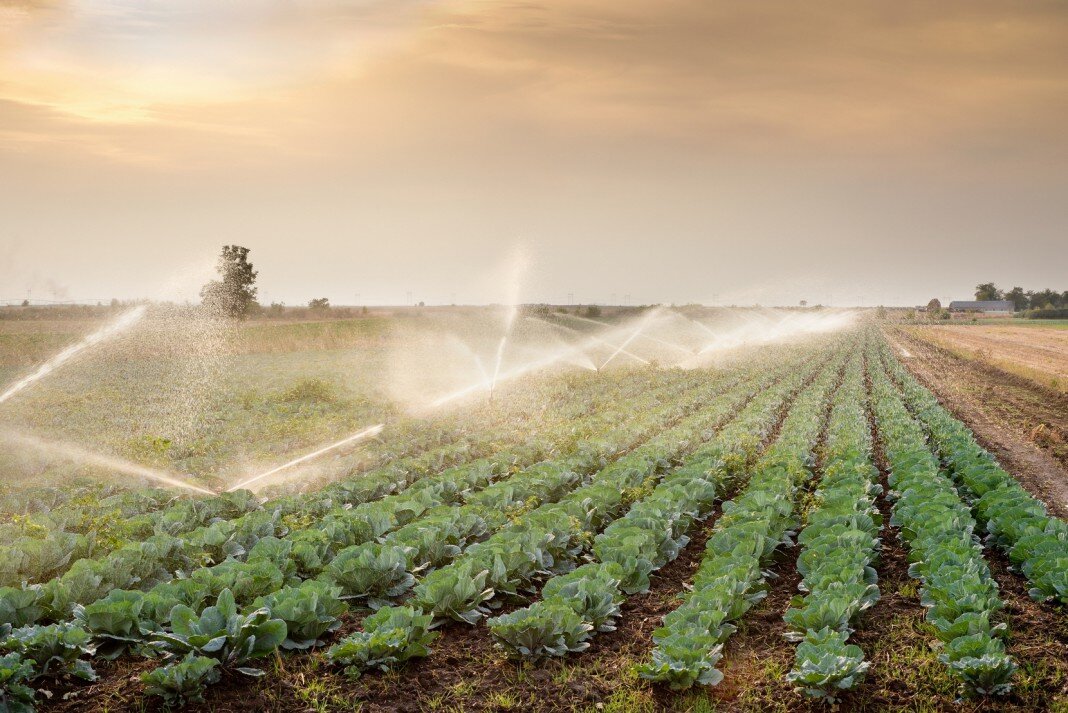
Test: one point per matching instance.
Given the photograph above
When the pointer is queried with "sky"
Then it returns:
(381, 151)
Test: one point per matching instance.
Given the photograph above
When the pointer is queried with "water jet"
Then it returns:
(76, 453)
(124, 322)
(354, 438)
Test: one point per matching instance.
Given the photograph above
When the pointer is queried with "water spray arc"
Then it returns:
(508, 324)
(649, 337)
(354, 438)
(561, 355)
(124, 322)
(592, 337)
(634, 335)
(72, 452)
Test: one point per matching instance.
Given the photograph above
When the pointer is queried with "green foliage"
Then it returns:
(957, 588)
(15, 673)
(592, 591)
(373, 571)
(392, 635)
(115, 621)
(310, 390)
(683, 659)
(309, 611)
(222, 633)
(987, 291)
(56, 645)
(233, 295)
(542, 629)
(183, 681)
(980, 661)
(826, 664)
(21, 606)
(455, 593)
(1015, 521)
(730, 579)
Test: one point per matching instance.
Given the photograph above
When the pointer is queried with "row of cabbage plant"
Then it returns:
(547, 540)
(402, 632)
(1016, 522)
(153, 562)
(751, 527)
(839, 545)
(577, 605)
(137, 621)
(43, 545)
(957, 589)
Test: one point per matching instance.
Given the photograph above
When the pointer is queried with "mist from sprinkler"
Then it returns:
(77, 454)
(592, 337)
(354, 438)
(634, 335)
(122, 323)
(649, 337)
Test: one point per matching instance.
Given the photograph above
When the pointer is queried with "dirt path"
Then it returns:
(1023, 425)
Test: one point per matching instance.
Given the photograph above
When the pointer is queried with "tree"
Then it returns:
(319, 303)
(1018, 298)
(987, 291)
(934, 305)
(235, 294)
(1045, 298)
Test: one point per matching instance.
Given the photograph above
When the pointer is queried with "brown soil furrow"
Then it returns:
(1024, 426)
(905, 673)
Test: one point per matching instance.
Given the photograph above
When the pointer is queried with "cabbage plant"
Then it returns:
(183, 681)
(392, 635)
(223, 633)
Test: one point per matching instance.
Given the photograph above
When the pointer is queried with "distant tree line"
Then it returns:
(1030, 300)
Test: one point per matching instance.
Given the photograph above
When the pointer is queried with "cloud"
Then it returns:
(975, 80)
(739, 143)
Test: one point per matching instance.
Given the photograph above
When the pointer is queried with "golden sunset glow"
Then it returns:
(464, 128)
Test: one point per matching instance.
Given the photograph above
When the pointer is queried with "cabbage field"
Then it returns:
(803, 528)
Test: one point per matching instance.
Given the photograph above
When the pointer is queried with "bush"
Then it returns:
(316, 390)
(1045, 313)
(220, 632)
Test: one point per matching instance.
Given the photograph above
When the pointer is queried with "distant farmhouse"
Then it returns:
(986, 306)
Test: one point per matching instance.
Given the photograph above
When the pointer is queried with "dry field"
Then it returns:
(1036, 353)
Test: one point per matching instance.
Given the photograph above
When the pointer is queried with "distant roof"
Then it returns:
(983, 305)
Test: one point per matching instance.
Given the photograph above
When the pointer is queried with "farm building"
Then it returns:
(991, 306)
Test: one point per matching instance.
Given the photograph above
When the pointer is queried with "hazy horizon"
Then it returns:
(841, 153)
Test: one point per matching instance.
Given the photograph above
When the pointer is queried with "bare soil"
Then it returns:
(1022, 424)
